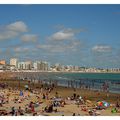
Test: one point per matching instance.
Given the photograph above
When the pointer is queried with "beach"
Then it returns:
(63, 101)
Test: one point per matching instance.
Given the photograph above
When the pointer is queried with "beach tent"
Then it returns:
(21, 93)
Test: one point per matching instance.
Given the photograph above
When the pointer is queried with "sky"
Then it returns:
(83, 35)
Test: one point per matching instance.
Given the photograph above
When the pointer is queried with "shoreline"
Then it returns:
(59, 72)
(36, 85)
(27, 75)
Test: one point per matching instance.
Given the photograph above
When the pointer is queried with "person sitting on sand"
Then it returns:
(26, 109)
(7, 99)
(45, 109)
(56, 94)
(74, 96)
(47, 96)
(43, 96)
(84, 108)
(30, 105)
(49, 108)
(73, 114)
(62, 104)
(19, 100)
(91, 113)
(13, 111)
(117, 105)
(20, 111)
(35, 114)
(114, 110)
(16, 113)
(0, 103)
(33, 108)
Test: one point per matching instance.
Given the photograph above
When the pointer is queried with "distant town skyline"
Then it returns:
(83, 35)
(15, 65)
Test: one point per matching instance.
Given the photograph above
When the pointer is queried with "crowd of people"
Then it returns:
(16, 102)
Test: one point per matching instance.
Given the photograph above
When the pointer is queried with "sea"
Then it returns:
(94, 81)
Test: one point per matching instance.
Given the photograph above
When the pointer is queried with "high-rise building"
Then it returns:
(14, 61)
(35, 65)
(21, 65)
(25, 65)
(28, 65)
(41, 65)
(2, 62)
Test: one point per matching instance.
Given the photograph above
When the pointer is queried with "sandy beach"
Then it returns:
(37, 99)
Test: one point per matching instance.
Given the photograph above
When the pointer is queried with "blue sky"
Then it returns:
(84, 35)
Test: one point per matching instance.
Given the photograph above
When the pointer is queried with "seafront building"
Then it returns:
(41, 66)
(21, 65)
(14, 62)
(27, 65)
(2, 67)
(2, 62)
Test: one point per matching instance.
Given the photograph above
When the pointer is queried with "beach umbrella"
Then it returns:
(106, 104)
(103, 104)
(99, 103)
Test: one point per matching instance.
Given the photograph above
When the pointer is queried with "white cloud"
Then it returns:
(102, 48)
(52, 48)
(12, 30)
(29, 38)
(17, 49)
(67, 41)
(8, 35)
(18, 26)
(25, 49)
(21, 49)
(64, 34)
(59, 48)
(44, 46)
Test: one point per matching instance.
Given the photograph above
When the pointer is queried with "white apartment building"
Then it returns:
(14, 61)
(27, 65)
(41, 65)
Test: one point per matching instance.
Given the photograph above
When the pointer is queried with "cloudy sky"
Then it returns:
(84, 35)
